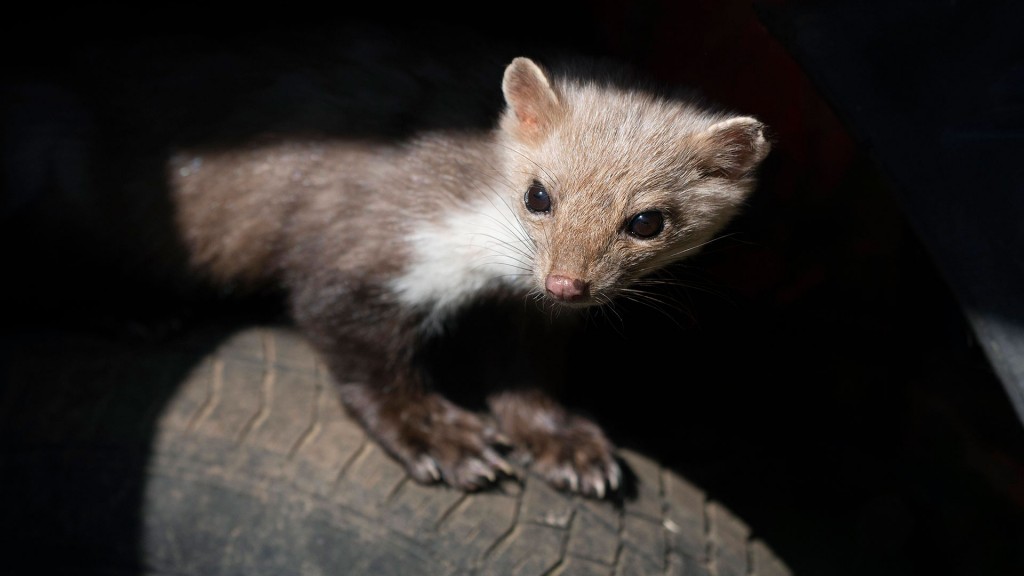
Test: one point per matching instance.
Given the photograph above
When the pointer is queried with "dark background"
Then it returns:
(816, 373)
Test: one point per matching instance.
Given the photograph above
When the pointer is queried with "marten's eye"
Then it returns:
(537, 199)
(646, 224)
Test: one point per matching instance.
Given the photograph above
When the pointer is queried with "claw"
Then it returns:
(614, 476)
(501, 440)
(498, 462)
(593, 483)
(479, 469)
(426, 470)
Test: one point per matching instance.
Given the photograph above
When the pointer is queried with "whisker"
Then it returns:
(608, 309)
(548, 177)
(646, 299)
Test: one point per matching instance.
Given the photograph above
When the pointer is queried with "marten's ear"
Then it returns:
(732, 148)
(533, 104)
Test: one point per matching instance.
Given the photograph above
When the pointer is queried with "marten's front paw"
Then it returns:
(438, 441)
(577, 457)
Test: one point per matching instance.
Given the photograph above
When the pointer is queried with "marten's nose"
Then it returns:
(566, 289)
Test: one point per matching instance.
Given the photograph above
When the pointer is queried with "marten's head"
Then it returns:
(614, 184)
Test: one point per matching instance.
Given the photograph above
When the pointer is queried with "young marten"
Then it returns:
(582, 188)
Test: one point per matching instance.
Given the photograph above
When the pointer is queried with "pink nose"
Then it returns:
(565, 288)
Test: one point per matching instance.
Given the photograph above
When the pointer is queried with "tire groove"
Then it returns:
(315, 426)
(666, 534)
(620, 533)
(359, 454)
(266, 388)
(214, 390)
(463, 500)
(512, 527)
(564, 549)
(390, 498)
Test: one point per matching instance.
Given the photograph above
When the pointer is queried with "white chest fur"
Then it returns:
(471, 248)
